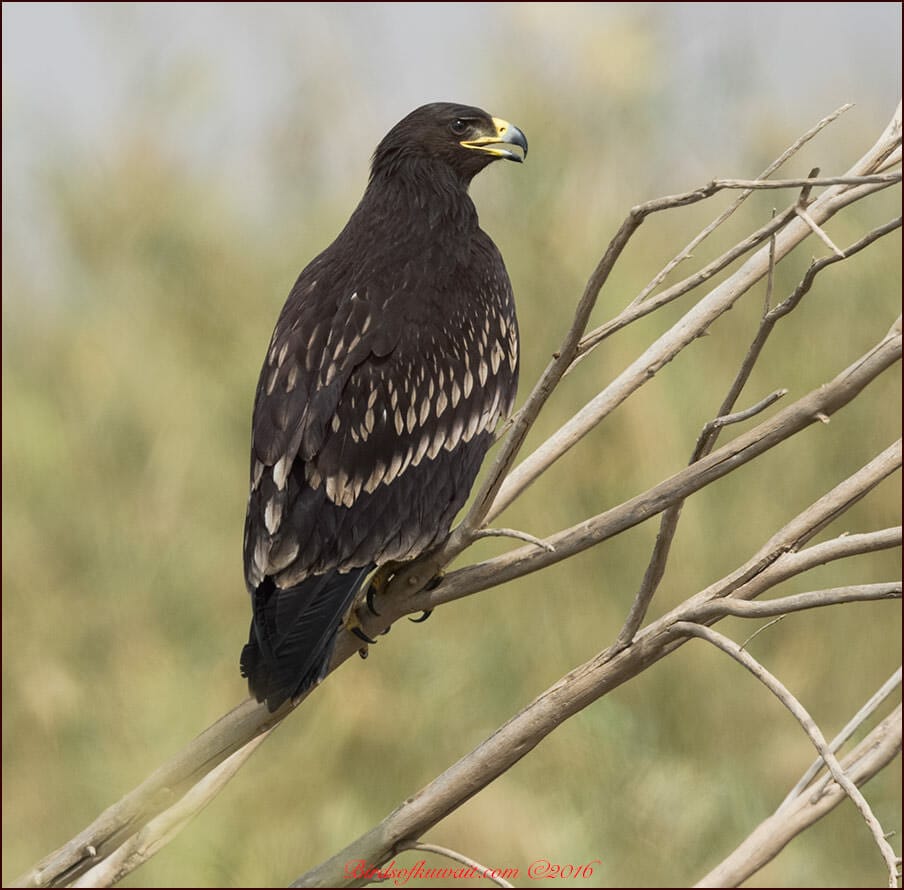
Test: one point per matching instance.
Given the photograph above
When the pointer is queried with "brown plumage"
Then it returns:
(392, 361)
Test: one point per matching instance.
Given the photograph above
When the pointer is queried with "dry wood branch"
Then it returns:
(455, 856)
(860, 593)
(513, 533)
(820, 233)
(668, 524)
(695, 322)
(161, 790)
(886, 689)
(608, 670)
(863, 179)
(783, 694)
(763, 844)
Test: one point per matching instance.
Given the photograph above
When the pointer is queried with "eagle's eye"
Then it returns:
(459, 127)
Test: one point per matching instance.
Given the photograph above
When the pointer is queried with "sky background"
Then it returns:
(80, 75)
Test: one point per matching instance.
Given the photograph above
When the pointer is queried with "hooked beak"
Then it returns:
(504, 134)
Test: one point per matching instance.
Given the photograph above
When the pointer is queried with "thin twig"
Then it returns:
(886, 689)
(783, 694)
(724, 420)
(705, 233)
(770, 275)
(819, 232)
(766, 841)
(760, 630)
(514, 533)
(455, 856)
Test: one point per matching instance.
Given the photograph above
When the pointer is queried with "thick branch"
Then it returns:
(160, 830)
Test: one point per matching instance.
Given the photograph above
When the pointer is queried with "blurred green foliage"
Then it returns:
(129, 364)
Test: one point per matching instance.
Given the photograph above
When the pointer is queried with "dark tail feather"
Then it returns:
(293, 632)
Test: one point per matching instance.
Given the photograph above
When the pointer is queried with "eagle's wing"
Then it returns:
(370, 423)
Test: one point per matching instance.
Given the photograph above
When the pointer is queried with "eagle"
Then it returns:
(391, 363)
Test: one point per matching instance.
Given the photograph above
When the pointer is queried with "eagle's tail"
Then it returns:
(293, 632)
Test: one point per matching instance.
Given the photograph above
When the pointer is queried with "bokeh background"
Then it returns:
(167, 171)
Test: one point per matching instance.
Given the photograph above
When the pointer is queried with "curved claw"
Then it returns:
(369, 600)
(361, 635)
(424, 616)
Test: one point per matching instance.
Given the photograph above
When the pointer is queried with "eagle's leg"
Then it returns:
(377, 584)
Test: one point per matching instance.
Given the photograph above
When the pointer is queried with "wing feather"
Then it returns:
(370, 423)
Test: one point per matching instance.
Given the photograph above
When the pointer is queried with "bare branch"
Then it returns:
(778, 162)
(724, 420)
(514, 533)
(886, 689)
(763, 844)
(762, 629)
(161, 790)
(819, 232)
(695, 322)
(885, 178)
(783, 694)
(609, 669)
(454, 855)
(815, 599)
(128, 831)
